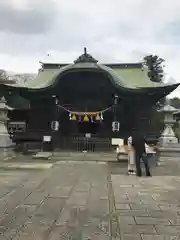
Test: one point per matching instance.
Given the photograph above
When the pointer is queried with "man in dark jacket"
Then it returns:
(138, 142)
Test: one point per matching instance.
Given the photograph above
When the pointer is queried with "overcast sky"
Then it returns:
(112, 31)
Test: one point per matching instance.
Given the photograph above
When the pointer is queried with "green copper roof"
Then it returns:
(135, 78)
(128, 77)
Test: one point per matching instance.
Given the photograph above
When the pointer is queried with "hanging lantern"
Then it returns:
(115, 126)
(73, 117)
(56, 101)
(98, 118)
(55, 125)
(86, 119)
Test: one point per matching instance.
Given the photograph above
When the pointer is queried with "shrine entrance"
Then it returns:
(82, 136)
(79, 136)
(86, 113)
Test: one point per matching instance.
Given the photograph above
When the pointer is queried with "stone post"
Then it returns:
(168, 141)
(6, 143)
(168, 137)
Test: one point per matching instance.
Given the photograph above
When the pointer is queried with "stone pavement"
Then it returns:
(70, 199)
(89, 200)
(149, 208)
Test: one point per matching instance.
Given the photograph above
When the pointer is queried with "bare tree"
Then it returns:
(4, 78)
(3, 75)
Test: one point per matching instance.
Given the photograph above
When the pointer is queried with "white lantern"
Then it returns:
(115, 126)
(55, 125)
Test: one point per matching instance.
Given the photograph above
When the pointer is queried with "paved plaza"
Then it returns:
(89, 200)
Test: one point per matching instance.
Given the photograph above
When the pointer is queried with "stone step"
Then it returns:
(42, 155)
(169, 158)
(85, 158)
(169, 150)
(24, 166)
(83, 153)
(75, 156)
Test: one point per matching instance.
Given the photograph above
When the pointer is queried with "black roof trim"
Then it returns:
(85, 58)
(111, 65)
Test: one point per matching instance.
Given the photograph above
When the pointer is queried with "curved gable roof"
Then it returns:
(127, 77)
(48, 76)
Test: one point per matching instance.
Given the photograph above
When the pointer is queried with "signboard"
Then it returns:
(46, 138)
(117, 141)
(16, 126)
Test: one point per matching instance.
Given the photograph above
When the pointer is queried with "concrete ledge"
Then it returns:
(169, 149)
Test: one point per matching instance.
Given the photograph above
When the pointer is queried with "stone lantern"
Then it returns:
(168, 136)
(5, 140)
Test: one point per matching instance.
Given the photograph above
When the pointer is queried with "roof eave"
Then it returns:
(161, 92)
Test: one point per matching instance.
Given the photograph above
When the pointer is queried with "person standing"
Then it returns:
(138, 142)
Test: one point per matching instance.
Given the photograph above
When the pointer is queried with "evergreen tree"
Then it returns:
(155, 67)
(156, 74)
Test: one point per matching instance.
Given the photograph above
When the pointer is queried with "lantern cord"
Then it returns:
(97, 112)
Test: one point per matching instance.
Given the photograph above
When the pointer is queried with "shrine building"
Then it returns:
(83, 103)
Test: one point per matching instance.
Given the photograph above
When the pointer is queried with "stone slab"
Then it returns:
(152, 221)
(133, 237)
(138, 229)
(36, 198)
(159, 237)
(33, 232)
(122, 206)
(168, 230)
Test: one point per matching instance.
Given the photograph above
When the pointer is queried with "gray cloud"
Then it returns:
(112, 31)
(171, 32)
(36, 18)
(70, 32)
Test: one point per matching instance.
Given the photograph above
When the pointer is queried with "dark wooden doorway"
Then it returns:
(88, 127)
